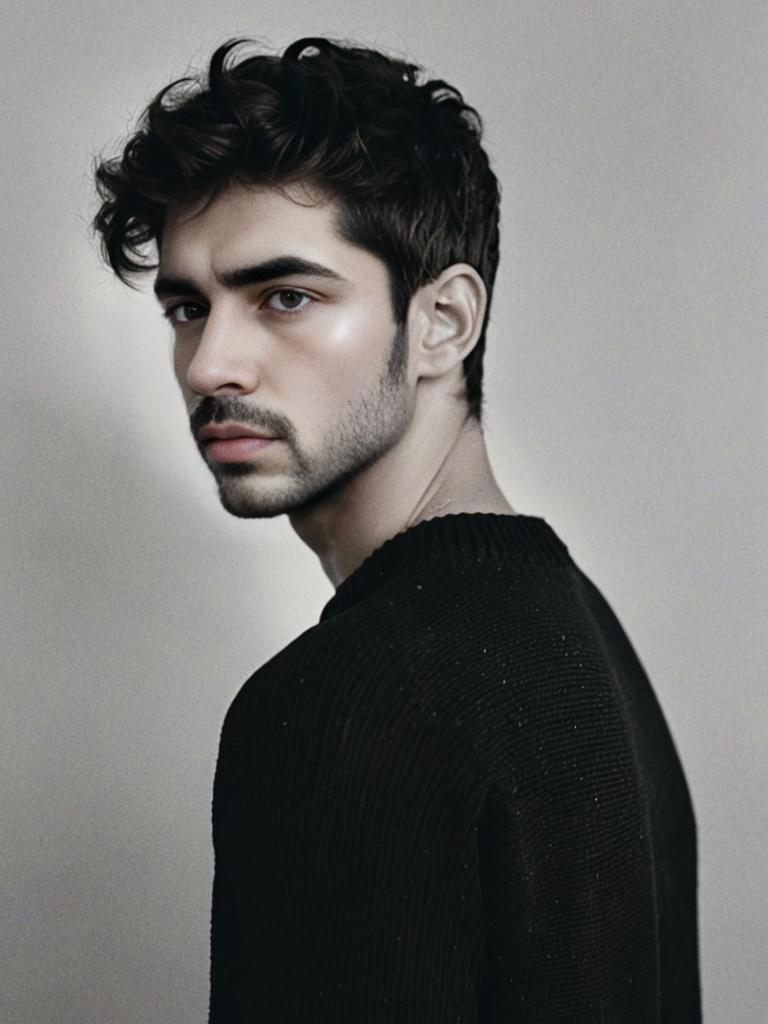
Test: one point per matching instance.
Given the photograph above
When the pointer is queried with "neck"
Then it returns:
(439, 467)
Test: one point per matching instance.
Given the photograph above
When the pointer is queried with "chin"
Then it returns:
(249, 502)
(249, 495)
(253, 511)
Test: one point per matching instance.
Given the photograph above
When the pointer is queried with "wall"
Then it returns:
(625, 369)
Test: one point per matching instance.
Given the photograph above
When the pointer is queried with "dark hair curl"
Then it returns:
(402, 158)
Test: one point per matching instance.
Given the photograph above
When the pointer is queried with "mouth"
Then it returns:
(232, 442)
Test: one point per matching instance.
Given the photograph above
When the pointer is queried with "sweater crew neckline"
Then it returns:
(456, 537)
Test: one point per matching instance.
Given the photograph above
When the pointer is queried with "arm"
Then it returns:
(347, 881)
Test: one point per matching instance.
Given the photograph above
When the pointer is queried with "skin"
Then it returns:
(365, 444)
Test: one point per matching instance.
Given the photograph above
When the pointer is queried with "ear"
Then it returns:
(445, 320)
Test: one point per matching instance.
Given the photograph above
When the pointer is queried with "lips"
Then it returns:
(233, 442)
(226, 431)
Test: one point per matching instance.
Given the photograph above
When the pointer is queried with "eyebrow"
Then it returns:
(242, 277)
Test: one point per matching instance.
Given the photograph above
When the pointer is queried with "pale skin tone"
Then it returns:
(307, 351)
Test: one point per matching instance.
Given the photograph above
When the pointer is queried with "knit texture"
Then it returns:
(454, 799)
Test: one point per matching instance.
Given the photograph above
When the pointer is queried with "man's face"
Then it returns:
(286, 350)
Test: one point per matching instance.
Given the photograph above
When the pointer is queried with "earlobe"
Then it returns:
(450, 317)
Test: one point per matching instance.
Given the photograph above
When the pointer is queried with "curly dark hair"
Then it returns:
(401, 157)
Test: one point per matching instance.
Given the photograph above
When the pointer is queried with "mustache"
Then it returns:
(230, 407)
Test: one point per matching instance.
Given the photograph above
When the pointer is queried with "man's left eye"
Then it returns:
(288, 300)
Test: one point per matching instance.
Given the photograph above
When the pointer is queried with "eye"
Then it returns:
(183, 313)
(288, 300)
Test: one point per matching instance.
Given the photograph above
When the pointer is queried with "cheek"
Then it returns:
(347, 347)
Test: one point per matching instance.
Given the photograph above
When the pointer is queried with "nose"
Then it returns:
(224, 360)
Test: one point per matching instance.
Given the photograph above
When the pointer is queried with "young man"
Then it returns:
(455, 798)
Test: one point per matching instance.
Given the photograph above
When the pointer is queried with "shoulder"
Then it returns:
(509, 652)
(352, 727)
(447, 655)
(320, 670)
(455, 620)
(339, 680)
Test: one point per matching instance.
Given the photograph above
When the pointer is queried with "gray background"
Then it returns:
(625, 370)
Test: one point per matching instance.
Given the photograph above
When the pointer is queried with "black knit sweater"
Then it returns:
(455, 799)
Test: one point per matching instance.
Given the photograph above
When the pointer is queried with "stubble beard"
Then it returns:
(365, 429)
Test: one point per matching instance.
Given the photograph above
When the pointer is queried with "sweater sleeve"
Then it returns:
(567, 868)
(346, 882)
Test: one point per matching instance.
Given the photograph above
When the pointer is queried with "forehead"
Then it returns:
(244, 223)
